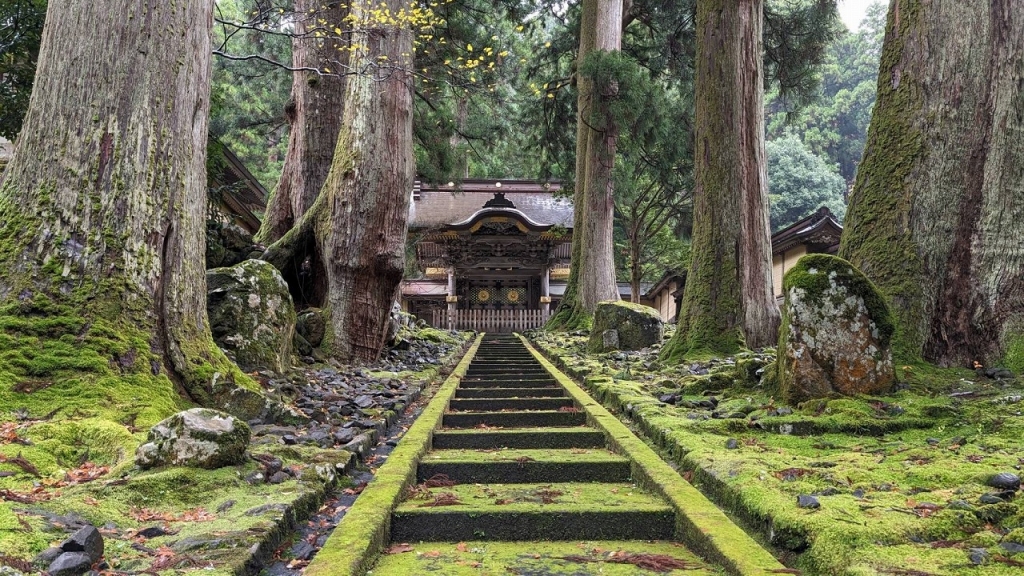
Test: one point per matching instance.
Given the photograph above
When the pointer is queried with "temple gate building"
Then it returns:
(492, 255)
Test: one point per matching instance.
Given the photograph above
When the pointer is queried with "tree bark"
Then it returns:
(936, 215)
(570, 315)
(361, 229)
(728, 299)
(314, 114)
(592, 272)
(597, 269)
(103, 207)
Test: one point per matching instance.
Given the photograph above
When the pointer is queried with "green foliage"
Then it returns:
(799, 182)
(834, 122)
(248, 98)
(19, 48)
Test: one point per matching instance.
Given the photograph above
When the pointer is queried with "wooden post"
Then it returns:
(545, 290)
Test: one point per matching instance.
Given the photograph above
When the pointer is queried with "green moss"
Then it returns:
(354, 545)
(877, 237)
(818, 282)
(1014, 355)
(700, 524)
(548, 558)
(913, 446)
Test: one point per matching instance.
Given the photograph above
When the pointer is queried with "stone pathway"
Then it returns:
(517, 482)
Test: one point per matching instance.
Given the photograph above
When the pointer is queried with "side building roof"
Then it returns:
(820, 228)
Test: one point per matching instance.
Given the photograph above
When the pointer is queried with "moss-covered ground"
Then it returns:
(67, 456)
(899, 478)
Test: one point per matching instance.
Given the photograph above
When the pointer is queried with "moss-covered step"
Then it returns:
(500, 392)
(582, 558)
(509, 381)
(553, 511)
(514, 419)
(490, 404)
(552, 523)
(523, 371)
(474, 439)
(525, 466)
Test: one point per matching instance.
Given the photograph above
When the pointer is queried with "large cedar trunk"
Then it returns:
(936, 217)
(361, 226)
(314, 114)
(728, 297)
(570, 315)
(597, 266)
(102, 209)
(592, 274)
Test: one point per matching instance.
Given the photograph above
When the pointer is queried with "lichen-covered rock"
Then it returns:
(637, 326)
(200, 437)
(836, 332)
(251, 315)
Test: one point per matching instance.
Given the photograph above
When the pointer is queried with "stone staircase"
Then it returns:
(516, 482)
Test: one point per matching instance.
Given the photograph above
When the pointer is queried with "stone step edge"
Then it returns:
(283, 526)
(364, 531)
(700, 524)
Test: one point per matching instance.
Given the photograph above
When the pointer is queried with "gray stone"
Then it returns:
(70, 564)
(636, 326)
(200, 437)
(837, 332)
(978, 556)
(87, 539)
(1012, 548)
(990, 499)
(805, 501)
(46, 557)
(1005, 481)
(732, 444)
(251, 315)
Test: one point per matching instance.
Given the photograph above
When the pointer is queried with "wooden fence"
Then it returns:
(500, 321)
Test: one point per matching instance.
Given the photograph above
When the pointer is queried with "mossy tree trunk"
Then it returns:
(103, 207)
(597, 268)
(358, 222)
(728, 299)
(592, 273)
(314, 113)
(936, 217)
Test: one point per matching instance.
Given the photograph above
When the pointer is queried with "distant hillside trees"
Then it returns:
(799, 182)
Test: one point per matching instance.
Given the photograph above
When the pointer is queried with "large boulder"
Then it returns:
(635, 326)
(200, 437)
(836, 332)
(251, 315)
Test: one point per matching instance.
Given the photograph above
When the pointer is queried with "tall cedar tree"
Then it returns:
(592, 276)
(936, 217)
(728, 298)
(358, 222)
(314, 114)
(103, 206)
